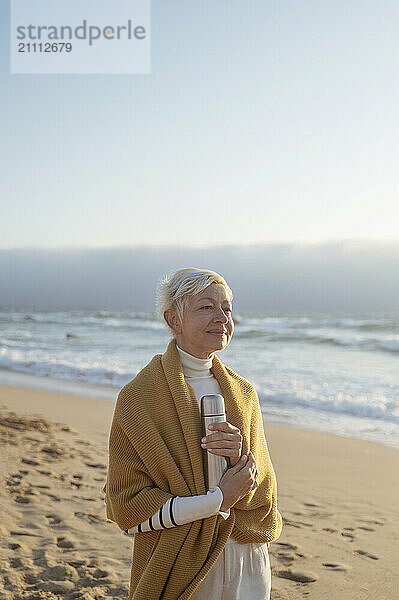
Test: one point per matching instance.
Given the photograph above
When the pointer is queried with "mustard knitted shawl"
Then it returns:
(155, 454)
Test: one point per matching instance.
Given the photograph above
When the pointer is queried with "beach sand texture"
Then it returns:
(339, 499)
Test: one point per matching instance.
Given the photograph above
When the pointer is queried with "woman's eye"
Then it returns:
(210, 306)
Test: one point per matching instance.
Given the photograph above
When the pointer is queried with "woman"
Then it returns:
(190, 542)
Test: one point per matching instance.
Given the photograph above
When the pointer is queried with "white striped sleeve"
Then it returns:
(180, 510)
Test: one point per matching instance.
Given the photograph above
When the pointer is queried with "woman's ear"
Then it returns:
(172, 319)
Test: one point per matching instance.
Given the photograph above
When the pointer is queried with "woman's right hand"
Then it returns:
(238, 481)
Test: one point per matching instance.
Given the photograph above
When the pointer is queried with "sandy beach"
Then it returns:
(338, 496)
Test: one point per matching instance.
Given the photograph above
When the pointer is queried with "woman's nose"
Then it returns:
(221, 316)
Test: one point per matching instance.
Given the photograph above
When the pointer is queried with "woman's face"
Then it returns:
(207, 323)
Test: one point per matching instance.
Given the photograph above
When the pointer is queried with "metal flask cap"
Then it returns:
(212, 405)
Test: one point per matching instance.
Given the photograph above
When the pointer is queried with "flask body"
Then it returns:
(213, 411)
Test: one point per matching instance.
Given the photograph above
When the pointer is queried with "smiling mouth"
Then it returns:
(217, 332)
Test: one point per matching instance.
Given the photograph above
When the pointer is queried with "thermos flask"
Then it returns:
(212, 411)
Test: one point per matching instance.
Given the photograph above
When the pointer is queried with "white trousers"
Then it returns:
(241, 572)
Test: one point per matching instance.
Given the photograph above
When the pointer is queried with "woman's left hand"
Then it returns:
(226, 441)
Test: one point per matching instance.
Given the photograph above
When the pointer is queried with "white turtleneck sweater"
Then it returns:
(184, 509)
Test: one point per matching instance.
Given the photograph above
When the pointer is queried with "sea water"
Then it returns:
(336, 373)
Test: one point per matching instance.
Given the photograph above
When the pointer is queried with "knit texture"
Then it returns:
(155, 454)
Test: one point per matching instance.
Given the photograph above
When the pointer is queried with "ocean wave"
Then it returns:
(245, 325)
(77, 317)
(350, 341)
(58, 370)
(371, 407)
(390, 345)
(273, 323)
(75, 324)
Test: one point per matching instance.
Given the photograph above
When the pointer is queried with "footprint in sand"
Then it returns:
(366, 554)
(21, 491)
(319, 512)
(346, 533)
(95, 465)
(88, 499)
(26, 496)
(14, 480)
(285, 557)
(22, 499)
(24, 532)
(53, 451)
(88, 517)
(16, 563)
(59, 572)
(30, 578)
(336, 566)
(372, 522)
(46, 473)
(76, 484)
(14, 546)
(63, 542)
(286, 546)
(53, 520)
(297, 524)
(29, 461)
(53, 497)
(280, 595)
(299, 576)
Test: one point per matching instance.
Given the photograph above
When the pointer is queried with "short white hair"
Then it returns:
(174, 289)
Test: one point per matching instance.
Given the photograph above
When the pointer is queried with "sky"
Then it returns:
(261, 122)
